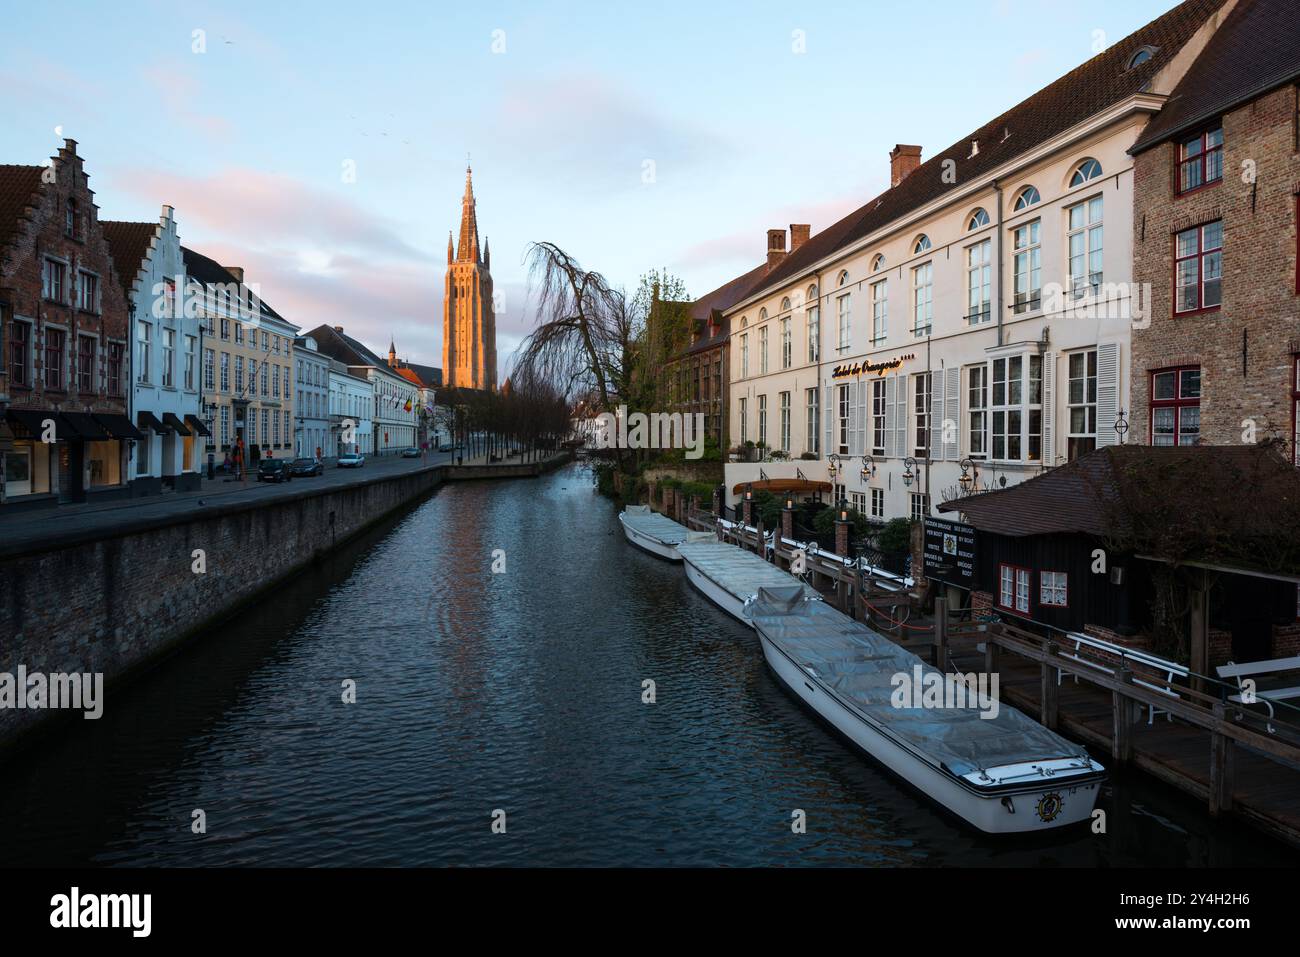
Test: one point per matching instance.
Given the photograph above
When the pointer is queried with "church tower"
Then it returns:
(469, 326)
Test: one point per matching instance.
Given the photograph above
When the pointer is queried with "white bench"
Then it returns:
(1273, 666)
(1170, 669)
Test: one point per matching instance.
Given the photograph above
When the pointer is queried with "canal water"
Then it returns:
(518, 691)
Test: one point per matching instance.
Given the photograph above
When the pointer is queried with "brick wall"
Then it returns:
(1286, 641)
(1259, 276)
(112, 604)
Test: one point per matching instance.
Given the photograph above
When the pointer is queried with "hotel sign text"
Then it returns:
(867, 368)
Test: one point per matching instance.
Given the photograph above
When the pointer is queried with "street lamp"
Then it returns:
(844, 510)
(967, 479)
(868, 467)
(833, 466)
(909, 464)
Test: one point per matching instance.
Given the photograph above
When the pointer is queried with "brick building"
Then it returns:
(1217, 178)
(64, 323)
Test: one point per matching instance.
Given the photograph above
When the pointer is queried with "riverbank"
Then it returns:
(112, 591)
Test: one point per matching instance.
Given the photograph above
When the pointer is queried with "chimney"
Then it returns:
(338, 329)
(903, 160)
(799, 233)
(775, 247)
(236, 271)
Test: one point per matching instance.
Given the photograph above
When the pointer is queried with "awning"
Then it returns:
(32, 420)
(170, 418)
(118, 425)
(147, 420)
(784, 486)
(84, 426)
(197, 425)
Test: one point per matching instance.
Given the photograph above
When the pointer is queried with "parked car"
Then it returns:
(352, 460)
(445, 446)
(306, 467)
(411, 453)
(273, 470)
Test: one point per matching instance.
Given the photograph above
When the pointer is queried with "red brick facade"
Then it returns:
(1246, 348)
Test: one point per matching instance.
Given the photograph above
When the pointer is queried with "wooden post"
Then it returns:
(1121, 745)
(991, 649)
(1199, 625)
(941, 628)
(1222, 750)
(1049, 690)
(758, 539)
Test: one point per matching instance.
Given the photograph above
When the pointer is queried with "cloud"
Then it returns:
(178, 89)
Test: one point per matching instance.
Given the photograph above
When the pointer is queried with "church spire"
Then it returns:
(451, 248)
(487, 253)
(467, 251)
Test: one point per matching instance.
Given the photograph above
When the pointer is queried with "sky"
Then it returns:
(322, 145)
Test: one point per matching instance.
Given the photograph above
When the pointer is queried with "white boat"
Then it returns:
(729, 576)
(1001, 774)
(653, 532)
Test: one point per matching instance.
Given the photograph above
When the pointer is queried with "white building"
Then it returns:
(164, 398)
(311, 400)
(392, 413)
(972, 320)
(351, 399)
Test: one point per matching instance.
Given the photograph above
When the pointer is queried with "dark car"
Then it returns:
(411, 453)
(306, 467)
(273, 470)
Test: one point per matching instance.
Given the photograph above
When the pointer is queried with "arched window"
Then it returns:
(1026, 198)
(785, 304)
(1140, 56)
(844, 277)
(762, 314)
(922, 244)
(71, 224)
(812, 293)
(877, 262)
(744, 321)
(1088, 169)
(977, 219)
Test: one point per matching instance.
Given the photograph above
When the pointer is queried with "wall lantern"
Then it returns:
(909, 465)
(969, 474)
(868, 467)
(844, 510)
(833, 466)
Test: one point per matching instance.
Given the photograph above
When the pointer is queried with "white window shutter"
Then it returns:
(936, 414)
(828, 414)
(900, 418)
(1049, 408)
(952, 412)
(891, 402)
(1107, 393)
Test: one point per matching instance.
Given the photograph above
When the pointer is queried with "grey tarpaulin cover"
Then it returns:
(737, 571)
(858, 664)
(641, 518)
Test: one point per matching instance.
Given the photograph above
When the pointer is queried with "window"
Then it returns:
(87, 292)
(239, 374)
(744, 421)
(762, 351)
(1176, 406)
(1052, 589)
(144, 350)
(1141, 56)
(922, 414)
(877, 262)
(842, 418)
(812, 441)
(1017, 409)
(1084, 240)
(979, 276)
(85, 364)
(225, 329)
(1200, 160)
(225, 372)
(55, 342)
(191, 344)
(266, 430)
(785, 421)
(1026, 197)
(1083, 403)
(20, 340)
(71, 221)
(169, 299)
(877, 503)
(1013, 588)
(277, 381)
(1198, 267)
(879, 311)
(239, 333)
(53, 277)
(878, 417)
(168, 357)
(284, 416)
(209, 364)
(977, 401)
(225, 424)
(787, 344)
(275, 428)
(844, 342)
(1087, 170)
(858, 502)
(116, 350)
(744, 356)
(1027, 267)
(814, 333)
(921, 245)
(762, 420)
(977, 219)
(922, 299)
(920, 506)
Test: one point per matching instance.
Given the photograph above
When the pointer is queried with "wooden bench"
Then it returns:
(1252, 669)
(1170, 669)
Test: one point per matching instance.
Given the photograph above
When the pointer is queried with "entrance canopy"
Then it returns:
(784, 486)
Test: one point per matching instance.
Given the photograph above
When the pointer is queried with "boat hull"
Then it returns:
(711, 590)
(1032, 809)
(650, 544)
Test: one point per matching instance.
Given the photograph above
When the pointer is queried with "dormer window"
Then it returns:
(1088, 169)
(1026, 197)
(1140, 56)
(978, 219)
(921, 245)
(877, 262)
